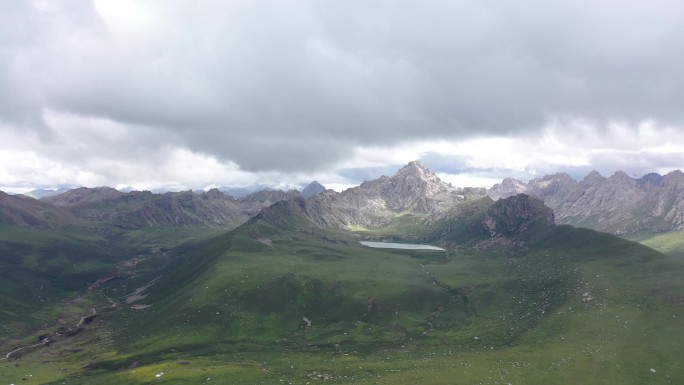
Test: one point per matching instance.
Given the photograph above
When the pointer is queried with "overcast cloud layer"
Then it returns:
(180, 94)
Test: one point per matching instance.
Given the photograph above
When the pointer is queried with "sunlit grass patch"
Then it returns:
(671, 243)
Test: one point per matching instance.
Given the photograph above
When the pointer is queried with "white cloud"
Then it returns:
(468, 180)
(85, 151)
(187, 94)
(576, 147)
(126, 16)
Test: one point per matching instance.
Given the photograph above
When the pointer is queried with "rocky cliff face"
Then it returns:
(618, 204)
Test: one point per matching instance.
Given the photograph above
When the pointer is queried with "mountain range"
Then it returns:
(414, 190)
(107, 207)
(109, 287)
(618, 204)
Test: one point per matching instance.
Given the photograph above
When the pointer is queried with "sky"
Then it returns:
(173, 95)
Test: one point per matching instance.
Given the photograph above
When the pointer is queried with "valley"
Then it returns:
(333, 192)
(292, 296)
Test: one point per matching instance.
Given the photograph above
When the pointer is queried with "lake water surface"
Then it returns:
(405, 246)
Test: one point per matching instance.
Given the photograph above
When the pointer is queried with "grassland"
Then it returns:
(40, 269)
(671, 243)
(574, 307)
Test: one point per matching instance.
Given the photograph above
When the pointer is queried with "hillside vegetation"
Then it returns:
(282, 300)
(292, 297)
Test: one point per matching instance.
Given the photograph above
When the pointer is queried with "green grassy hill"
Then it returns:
(280, 300)
(39, 269)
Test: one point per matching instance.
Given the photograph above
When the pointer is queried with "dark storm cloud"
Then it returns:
(297, 85)
(20, 101)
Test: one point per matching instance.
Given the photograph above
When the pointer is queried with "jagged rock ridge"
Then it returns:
(618, 204)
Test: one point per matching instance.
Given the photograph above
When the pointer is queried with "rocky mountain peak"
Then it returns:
(417, 169)
(312, 189)
(552, 187)
(675, 175)
(621, 179)
(620, 175)
(593, 178)
(547, 181)
(506, 188)
(84, 195)
(674, 181)
(414, 186)
(418, 176)
(216, 194)
(652, 178)
(561, 176)
(512, 182)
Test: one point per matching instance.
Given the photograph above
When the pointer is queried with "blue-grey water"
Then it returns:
(405, 246)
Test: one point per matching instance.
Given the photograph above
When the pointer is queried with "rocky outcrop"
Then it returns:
(516, 214)
(618, 204)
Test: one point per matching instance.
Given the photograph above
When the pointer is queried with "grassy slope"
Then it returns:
(39, 269)
(576, 306)
(671, 243)
(45, 275)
